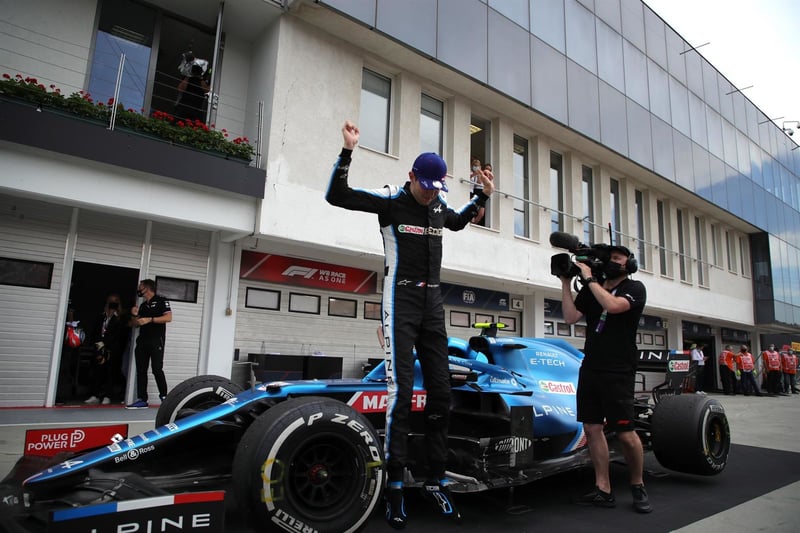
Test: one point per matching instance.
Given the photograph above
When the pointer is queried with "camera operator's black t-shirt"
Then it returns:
(613, 349)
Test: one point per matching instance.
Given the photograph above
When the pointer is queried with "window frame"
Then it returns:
(364, 125)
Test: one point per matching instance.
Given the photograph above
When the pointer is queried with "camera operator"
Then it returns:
(612, 304)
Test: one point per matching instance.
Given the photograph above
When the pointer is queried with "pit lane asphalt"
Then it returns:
(760, 422)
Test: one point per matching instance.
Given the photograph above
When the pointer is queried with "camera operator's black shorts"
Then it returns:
(606, 397)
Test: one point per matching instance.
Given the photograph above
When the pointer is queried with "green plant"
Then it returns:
(195, 134)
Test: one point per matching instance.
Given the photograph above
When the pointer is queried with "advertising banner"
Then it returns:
(49, 442)
(291, 271)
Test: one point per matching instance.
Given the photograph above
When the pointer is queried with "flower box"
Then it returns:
(57, 130)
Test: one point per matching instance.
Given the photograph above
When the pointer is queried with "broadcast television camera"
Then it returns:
(597, 256)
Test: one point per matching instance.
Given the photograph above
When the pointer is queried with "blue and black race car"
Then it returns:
(308, 455)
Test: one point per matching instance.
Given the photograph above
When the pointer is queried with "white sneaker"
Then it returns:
(93, 400)
(106, 400)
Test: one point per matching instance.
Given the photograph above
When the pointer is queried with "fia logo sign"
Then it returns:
(468, 297)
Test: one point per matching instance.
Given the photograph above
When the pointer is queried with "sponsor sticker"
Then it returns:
(376, 402)
(50, 442)
(556, 387)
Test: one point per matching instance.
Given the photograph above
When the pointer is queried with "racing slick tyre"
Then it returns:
(195, 394)
(691, 434)
(308, 464)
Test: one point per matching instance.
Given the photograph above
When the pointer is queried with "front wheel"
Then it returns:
(690, 434)
(195, 394)
(310, 464)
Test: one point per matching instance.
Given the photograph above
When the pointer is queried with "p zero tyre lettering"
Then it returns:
(308, 464)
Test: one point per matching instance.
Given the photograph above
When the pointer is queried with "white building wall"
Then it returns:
(64, 33)
(300, 160)
(30, 231)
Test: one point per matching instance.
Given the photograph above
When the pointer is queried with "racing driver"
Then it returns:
(411, 218)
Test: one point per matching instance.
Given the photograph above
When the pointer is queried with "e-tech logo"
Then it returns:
(556, 387)
(679, 366)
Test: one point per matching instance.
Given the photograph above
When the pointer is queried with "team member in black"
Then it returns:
(151, 317)
(411, 219)
(607, 376)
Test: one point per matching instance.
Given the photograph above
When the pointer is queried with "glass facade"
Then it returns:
(673, 112)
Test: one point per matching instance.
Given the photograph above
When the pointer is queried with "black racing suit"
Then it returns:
(413, 314)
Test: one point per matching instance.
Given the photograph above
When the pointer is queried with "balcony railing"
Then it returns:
(42, 100)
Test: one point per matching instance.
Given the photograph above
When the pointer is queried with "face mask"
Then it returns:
(475, 169)
(614, 270)
(140, 293)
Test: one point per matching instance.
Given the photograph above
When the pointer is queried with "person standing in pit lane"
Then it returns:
(411, 220)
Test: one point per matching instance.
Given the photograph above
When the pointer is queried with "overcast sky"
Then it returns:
(752, 42)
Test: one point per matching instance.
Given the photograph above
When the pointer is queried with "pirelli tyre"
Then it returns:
(690, 433)
(195, 394)
(308, 464)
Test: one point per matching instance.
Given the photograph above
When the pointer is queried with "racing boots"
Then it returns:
(395, 505)
(438, 493)
(641, 503)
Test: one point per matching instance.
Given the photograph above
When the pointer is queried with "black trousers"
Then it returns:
(728, 379)
(149, 351)
(414, 319)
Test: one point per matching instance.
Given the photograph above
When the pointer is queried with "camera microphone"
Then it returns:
(560, 239)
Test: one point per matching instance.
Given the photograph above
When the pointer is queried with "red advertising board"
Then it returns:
(292, 271)
(49, 442)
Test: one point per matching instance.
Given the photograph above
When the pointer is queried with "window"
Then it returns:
(580, 330)
(372, 310)
(682, 246)
(178, 290)
(375, 99)
(730, 246)
(303, 303)
(521, 188)
(431, 125)
(459, 319)
(150, 77)
(715, 245)
(587, 189)
(479, 318)
(615, 212)
(662, 238)
(510, 322)
(262, 299)
(744, 256)
(341, 307)
(699, 237)
(640, 233)
(21, 273)
(480, 144)
(556, 192)
(548, 327)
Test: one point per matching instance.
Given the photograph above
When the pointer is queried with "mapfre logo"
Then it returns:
(556, 387)
(377, 402)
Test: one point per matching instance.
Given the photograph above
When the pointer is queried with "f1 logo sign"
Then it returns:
(301, 271)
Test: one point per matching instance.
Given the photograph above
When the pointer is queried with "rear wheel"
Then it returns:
(690, 434)
(195, 394)
(308, 464)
